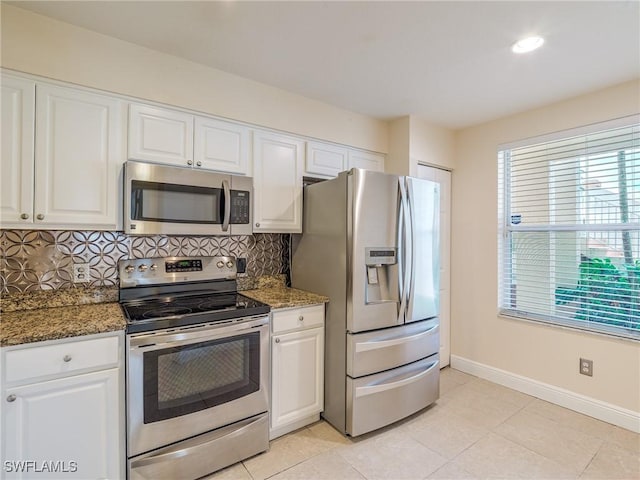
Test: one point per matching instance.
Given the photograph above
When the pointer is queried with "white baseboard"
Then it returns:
(589, 406)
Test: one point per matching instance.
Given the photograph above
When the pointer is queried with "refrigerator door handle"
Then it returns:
(382, 344)
(410, 265)
(402, 252)
(383, 387)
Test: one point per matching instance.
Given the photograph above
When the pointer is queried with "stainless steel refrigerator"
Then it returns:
(370, 243)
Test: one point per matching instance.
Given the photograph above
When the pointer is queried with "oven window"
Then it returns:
(186, 379)
(165, 202)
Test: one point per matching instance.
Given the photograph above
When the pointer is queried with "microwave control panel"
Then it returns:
(240, 201)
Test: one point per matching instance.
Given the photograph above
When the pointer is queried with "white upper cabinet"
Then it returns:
(18, 107)
(181, 139)
(64, 172)
(220, 145)
(366, 160)
(328, 160)
(325, 159)
(277, 164)
(78, 154)
(160, 135)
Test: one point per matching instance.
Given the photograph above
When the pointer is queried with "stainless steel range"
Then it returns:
(197, 367)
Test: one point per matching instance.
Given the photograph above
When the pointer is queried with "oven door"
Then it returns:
(187, 381)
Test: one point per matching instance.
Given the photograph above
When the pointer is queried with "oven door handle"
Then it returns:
(155, 341)
(198, 443)
(227, 205)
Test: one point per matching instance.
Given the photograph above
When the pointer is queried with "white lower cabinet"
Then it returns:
(297, 368)
(67, 424)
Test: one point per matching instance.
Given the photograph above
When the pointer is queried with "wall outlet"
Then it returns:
(81, 272)
(586, 367)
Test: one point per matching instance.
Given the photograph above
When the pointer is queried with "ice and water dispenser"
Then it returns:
(381, 273)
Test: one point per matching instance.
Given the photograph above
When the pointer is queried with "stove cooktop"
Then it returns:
(182, 310)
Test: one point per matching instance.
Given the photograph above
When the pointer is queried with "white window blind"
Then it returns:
(570, 229)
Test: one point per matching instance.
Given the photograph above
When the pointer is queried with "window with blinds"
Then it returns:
(569, 228)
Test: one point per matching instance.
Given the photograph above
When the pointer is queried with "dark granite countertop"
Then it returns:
(273, 292)
(50, 315)
(26, 326)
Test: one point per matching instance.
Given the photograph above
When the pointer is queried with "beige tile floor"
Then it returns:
(476, 430)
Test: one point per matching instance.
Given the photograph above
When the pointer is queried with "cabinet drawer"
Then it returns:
(61, 358)
(296, 318)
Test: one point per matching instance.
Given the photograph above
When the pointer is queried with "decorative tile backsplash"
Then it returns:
(43, 260)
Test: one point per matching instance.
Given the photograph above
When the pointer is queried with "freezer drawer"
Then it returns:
(379, 400)
(373, 352)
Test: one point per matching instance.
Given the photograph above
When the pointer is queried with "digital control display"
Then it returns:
(240, 201)
(188, 265)
(382, 253)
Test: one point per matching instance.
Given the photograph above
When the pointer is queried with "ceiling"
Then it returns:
(446, 62)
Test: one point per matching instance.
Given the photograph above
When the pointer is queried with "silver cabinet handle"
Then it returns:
(11, 398)
(199, 164)
(277, 340)
(67, 358)
(300, 318)
(24, 216)
(257, 224)
(189, 162)
(40, 216)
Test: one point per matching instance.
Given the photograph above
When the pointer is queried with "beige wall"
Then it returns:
(413, 140)
(431, 145)
(539, 352)
(398, 158)
(39, 45)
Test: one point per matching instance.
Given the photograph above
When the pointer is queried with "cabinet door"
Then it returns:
(277, 184)
(78, 154)
(366, 160)
(297, 376)
(16, 188)
(325, 159)
(221, 146)
(74, 419)
(160, 135)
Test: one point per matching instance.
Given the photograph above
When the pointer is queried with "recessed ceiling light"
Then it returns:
(527, 44)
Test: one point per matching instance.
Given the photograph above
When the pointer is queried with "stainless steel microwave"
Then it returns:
(161, 199)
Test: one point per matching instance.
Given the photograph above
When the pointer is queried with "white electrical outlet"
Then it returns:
(81, 272)
(586, 367)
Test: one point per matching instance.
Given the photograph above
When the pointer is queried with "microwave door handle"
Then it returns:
(227, 205)
(137, 205)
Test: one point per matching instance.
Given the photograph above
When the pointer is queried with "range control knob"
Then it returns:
(129, 268)
(153, 267)
(220, 264)
(230, 264)
(143, 268)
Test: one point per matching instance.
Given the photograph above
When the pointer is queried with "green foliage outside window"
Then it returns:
(605, 293)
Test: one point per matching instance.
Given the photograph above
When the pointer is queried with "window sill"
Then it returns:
(618, 334)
